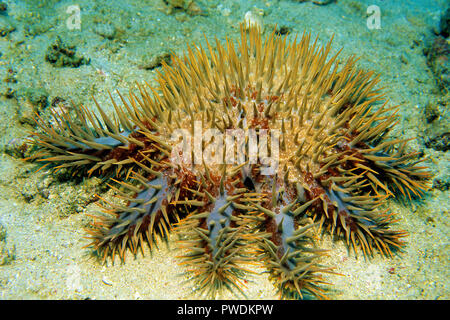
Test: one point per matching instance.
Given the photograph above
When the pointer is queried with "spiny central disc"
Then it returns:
(274, 96)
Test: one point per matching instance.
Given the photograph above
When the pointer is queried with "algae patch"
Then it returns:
(62, 55)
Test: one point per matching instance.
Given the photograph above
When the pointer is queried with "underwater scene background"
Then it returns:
(57, 55)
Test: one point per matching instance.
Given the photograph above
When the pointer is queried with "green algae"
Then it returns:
(62, 55)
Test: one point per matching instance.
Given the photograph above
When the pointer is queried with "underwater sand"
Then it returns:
(42, 257)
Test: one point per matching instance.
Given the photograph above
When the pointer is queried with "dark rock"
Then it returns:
(441, 185)
(431, 112)
(440, 143)
(9, 93)
(282, 30)
(445, 23)
(436, 119)
(61, 55)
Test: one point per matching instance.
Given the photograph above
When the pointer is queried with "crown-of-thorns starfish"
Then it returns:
(335, 167)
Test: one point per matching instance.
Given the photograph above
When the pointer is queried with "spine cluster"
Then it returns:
(335, 163)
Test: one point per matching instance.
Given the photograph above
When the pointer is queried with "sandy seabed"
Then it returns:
(42, 218)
